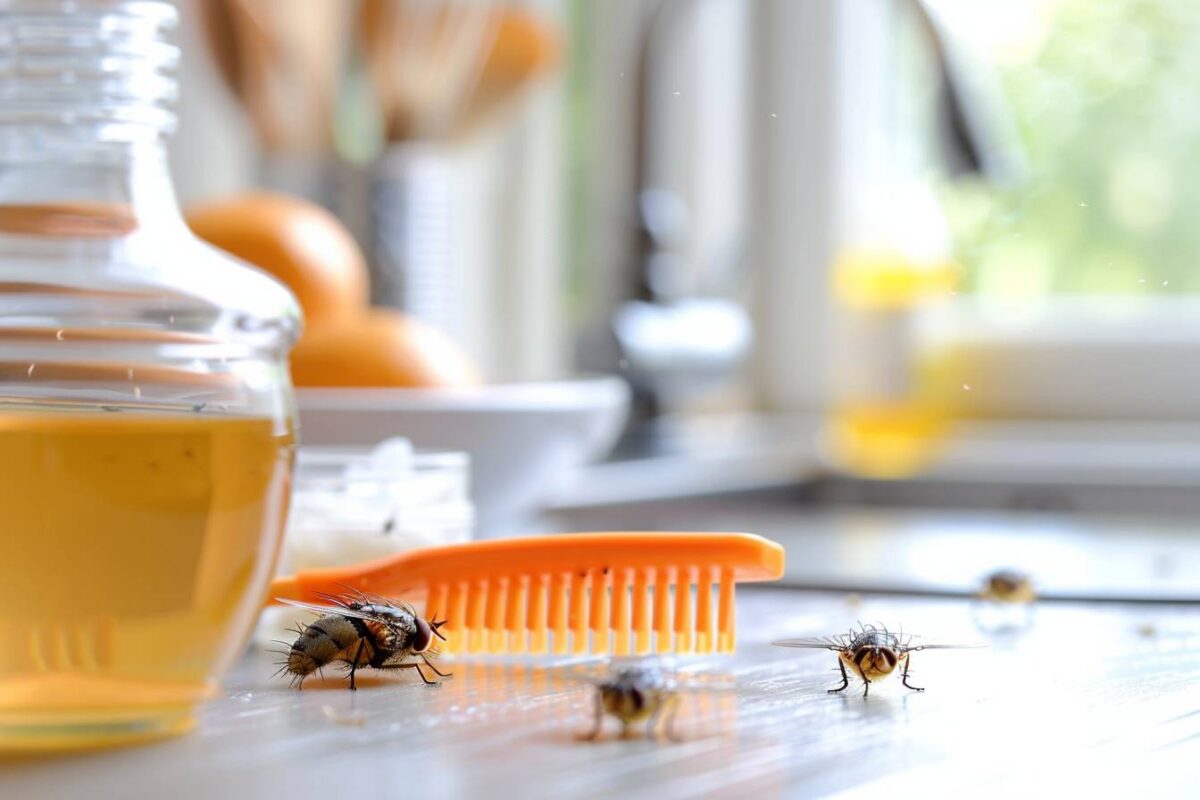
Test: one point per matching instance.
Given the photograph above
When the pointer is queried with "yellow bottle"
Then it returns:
(882, 424)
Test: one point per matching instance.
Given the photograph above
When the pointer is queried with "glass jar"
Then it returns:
(146, 414)
(360, 504)
(357, 504)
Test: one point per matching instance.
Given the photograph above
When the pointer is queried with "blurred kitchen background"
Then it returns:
(911, 280)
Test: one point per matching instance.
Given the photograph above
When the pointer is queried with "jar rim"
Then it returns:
(88, 63)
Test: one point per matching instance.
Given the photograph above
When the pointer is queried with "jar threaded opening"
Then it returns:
(106, 66)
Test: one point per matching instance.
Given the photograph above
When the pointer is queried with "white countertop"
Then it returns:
(1097, 694)
(1093, 698)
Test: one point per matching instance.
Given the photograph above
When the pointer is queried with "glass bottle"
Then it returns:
(146, 413)
(896, 272)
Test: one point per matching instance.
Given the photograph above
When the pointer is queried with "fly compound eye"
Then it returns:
(422, 638)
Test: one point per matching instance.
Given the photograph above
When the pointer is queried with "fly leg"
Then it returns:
(904, 677)
(591, 735)
(354, 664)
(866, 681)
(417, 667)
(845, 679)
(421, 672)
(671, 714)
(668, 707)
(436, 671)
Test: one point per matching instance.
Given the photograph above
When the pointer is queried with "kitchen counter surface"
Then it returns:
(1101, 698)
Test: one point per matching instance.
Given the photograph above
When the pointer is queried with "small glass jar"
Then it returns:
(352, 505)
(146, 414)
(358, 504)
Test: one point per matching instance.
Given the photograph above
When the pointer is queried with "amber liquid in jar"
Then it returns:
(134, 553)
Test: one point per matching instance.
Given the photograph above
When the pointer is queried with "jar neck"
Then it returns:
(108, 189)
(86, 89)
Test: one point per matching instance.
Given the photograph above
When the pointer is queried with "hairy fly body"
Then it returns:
(871, 653)
(362, 631)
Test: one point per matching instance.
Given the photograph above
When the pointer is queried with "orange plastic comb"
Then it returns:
(567, 593)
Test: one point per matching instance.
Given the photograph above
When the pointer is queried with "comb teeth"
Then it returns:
(620, 592)
(628, 611)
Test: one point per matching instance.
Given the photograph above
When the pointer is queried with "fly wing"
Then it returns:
(586, 680)
(319, 609)
(813, 643)
(595, 675)
(940, 646)
(914, 643)
(355, 597)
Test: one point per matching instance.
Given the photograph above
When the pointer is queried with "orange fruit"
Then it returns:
(298, 242)
(380, 348)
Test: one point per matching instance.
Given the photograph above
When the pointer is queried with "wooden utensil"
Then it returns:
(424, 59)
(441, 70)
(527, 47)
(285, 67)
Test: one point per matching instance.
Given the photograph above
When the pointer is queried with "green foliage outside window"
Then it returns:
(1107, 106)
